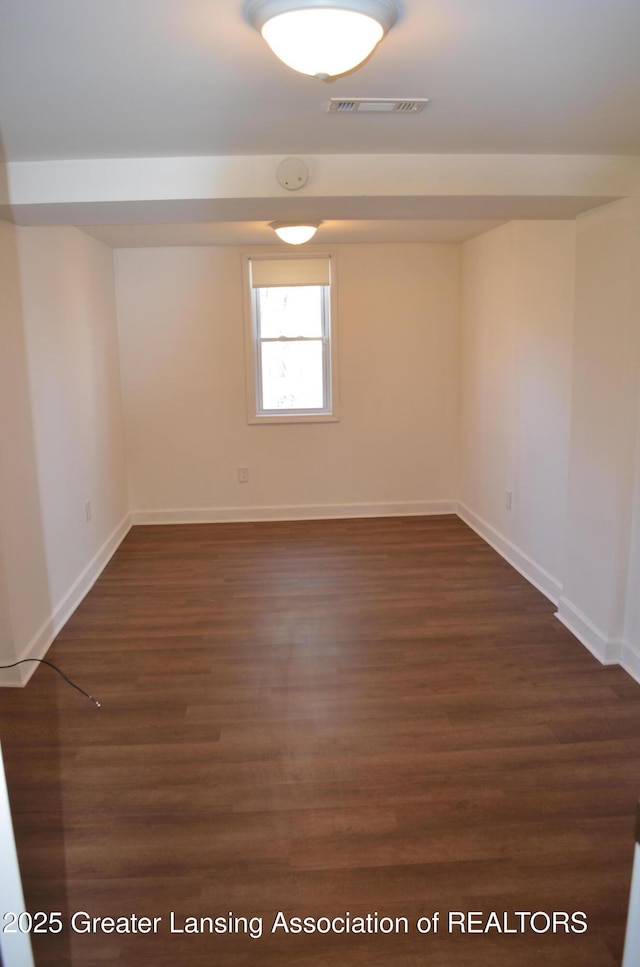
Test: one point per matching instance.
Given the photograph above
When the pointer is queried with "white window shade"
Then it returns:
(290, 271)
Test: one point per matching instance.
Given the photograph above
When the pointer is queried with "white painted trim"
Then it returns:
(525, 565)
(631, 956)
(212, 515)
(251, 345)
(606, 650)
(15, 948)
(44, 636)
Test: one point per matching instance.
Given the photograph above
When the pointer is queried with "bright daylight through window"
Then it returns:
(291, 374)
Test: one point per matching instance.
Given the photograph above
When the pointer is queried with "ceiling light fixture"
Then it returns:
(295, 233)
(322, 38)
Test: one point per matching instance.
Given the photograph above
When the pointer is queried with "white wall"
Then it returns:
(604, 420)
(486, 374)
(515, 392)
(550, 409)
(631, 643)
(24, 594)
(63, 442)
(180, 316)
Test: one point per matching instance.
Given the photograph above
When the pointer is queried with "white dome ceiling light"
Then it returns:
(322, 38)
(295, 233)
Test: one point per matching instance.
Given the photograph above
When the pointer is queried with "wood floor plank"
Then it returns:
(373, 716)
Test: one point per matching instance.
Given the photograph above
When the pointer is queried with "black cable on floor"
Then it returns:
(44, 661)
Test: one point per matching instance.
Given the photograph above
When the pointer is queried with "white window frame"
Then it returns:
(253, 342)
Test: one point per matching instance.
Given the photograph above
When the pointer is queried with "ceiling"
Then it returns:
(87, 79)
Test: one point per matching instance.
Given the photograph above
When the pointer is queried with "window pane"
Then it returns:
(292, 376)
(290, 311)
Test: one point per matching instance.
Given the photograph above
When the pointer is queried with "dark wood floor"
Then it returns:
(373, 716)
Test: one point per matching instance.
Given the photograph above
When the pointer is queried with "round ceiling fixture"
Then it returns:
(295, 233)
(322, 38)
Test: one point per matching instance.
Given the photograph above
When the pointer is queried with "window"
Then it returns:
(290, 343)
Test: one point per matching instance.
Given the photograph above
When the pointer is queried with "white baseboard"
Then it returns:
(44, 636)
(606, 650)
(533, 572)
(214, 515)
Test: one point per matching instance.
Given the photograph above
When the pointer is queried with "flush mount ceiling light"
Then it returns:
(295, 233)
(322, 38)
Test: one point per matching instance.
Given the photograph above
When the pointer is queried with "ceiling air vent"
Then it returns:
(377, 105)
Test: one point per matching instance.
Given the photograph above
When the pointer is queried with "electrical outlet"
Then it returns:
(507, 500)
(243, 475)
(87, 510)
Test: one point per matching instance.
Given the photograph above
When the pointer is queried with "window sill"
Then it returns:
(293, 418)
